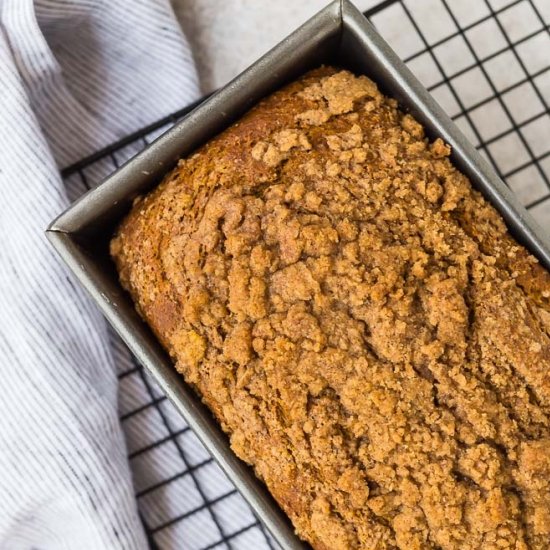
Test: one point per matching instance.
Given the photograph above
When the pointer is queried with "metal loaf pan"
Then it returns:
(338, 34)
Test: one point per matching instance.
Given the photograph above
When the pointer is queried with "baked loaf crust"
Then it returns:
(359, 321)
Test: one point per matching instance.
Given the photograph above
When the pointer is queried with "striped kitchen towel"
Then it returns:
(74, 76)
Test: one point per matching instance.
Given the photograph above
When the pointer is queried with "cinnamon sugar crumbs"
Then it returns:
(358, 319)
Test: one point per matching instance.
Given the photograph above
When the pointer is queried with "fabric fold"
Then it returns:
(74, 76)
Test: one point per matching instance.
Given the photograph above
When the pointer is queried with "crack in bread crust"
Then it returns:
(359, 321)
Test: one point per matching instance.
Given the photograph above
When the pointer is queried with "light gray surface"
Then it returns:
(227, 36)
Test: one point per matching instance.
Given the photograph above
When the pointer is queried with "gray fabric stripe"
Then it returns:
(69, 484)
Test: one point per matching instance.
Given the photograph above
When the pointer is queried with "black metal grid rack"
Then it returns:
(488, 63)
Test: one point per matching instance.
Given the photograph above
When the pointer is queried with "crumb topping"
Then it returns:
(358, 319)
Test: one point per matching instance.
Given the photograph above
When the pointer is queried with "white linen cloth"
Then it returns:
(75, 75)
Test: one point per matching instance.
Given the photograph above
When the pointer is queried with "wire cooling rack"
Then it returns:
(487, 62)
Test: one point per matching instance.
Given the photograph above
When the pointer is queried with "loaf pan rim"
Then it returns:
(64, 233)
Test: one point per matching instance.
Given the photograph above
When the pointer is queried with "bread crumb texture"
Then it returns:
(358, 319)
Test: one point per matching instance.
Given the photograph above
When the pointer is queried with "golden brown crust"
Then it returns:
(359, 321)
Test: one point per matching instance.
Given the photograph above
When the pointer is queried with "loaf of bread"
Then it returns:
(358, 319)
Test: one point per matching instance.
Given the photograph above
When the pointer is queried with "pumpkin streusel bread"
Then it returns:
(358, 319)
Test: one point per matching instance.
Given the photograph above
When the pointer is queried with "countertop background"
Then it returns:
(227, 36)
